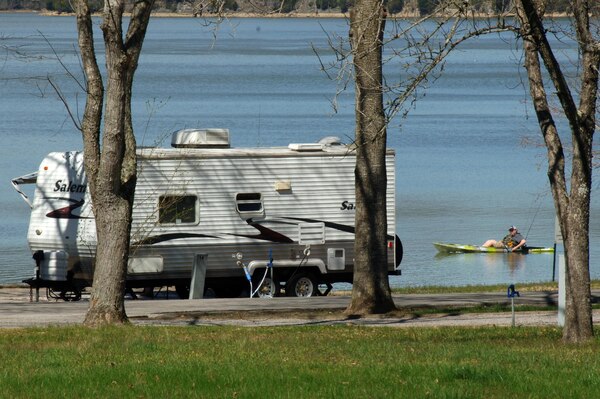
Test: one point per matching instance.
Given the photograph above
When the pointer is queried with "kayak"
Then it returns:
(460, 248)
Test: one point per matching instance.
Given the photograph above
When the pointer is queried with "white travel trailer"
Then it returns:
(286, 209)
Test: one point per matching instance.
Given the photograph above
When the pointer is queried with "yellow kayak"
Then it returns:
(462, 248)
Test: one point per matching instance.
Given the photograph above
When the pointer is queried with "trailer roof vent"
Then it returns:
(306, 146)
(330, 140)
(201, 138)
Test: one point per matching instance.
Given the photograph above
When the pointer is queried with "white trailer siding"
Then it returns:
(61, 216)
(296, 188)
(320, 183)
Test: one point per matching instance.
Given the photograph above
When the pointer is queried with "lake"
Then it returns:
(463, 174)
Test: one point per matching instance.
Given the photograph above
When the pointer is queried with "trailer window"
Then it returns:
(249, 203)
(177, 209)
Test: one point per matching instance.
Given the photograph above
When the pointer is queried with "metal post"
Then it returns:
(562, 292)
(198, 277)
(37, 283)
(38, 256)
(512, 305)
(511, 294)
(554, 265)
(559, 253)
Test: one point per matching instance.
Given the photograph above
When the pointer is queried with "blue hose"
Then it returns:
(248, 276)
(270, 264)
(511, 293)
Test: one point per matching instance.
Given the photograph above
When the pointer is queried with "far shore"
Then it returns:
(227, 15)
(164, 14)
(235, 14)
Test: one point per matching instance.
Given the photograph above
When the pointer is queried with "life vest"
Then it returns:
(508, 241)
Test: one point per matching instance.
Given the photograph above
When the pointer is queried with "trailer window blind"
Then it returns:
(249, 203)
(176, 209)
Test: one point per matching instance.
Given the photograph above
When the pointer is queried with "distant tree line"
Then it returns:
(167, 5)
(210, 6)
(428, 6)
(65, 5)
(494, 6)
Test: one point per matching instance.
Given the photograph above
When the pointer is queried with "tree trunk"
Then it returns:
(111, 168)
(371, 290)
(572, 207)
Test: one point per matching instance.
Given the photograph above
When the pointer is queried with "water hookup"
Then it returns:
(511, 292)
(239, 261)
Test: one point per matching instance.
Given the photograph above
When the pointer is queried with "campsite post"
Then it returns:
(559, 254)
(511, 292)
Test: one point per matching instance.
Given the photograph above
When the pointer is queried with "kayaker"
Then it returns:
(513, 241)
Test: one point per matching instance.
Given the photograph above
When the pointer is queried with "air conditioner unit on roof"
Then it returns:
(200, 138)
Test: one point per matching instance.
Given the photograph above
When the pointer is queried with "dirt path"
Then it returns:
(16, 310)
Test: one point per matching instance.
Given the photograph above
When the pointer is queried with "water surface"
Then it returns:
(463, 174)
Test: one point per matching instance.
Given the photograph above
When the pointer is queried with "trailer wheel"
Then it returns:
(268, 289)
(67, 295)
(70, 295)
(302, 285)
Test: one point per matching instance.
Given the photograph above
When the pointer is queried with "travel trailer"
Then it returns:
(288, 210)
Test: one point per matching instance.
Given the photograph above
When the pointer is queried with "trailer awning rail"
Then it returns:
(30, 178)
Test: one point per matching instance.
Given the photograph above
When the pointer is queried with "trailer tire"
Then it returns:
(269, 289)
(73, 295)
(302, 285)
(399, 251)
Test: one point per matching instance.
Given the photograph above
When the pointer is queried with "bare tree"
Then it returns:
(109, 154)
(371, 290)
(423, 54)
(571, 197)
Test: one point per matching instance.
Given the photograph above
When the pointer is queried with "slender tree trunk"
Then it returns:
(371, 290)
(572, 207)
(111, 168)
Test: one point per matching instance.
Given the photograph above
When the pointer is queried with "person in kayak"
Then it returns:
(513, 241)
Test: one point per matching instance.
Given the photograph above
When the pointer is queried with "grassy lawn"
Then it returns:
(295, 362)
(526, 287)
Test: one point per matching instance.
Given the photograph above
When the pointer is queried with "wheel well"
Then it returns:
(283, 274)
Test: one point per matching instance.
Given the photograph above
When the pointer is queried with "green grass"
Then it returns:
(445, 289)
(526, 287)
(295, 362)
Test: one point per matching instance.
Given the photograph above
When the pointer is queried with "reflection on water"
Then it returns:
(511, 260)
(478, 268)
(515, 261)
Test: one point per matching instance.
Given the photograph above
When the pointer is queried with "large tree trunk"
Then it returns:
(111, 168)
(371, 290)
(572, 206)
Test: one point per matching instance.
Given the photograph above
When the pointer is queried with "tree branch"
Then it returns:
(92, 116)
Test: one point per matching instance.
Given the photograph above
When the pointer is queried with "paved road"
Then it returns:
(17, 311)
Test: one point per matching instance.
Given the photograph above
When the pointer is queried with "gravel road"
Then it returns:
(16, 311)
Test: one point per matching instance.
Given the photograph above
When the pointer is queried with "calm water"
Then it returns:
(462, 173)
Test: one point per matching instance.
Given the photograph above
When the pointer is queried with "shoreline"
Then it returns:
(244, 15)
(165, 14)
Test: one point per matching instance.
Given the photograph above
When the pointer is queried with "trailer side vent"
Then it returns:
(249, 204)
(201, 138)
(311, 233)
